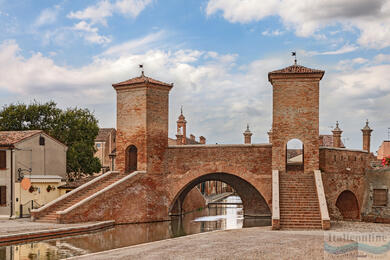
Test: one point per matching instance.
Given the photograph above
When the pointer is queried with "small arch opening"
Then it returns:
(131, 159)
(294, 155)
(348, 205)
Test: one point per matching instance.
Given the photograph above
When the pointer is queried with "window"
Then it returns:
(98, 145)
(3, 196)
(41, 140)
(380, 197)
(3, 159)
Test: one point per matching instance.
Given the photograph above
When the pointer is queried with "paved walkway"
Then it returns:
(9, 227)
(263, 243)
(23, 230)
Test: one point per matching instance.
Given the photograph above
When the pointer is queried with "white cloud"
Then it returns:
(134, 46)
(307, 17)
(131, 7)
(102, 10)
(47, 16)
(95, 13)
(91, 34)
(344, 49)
(272, 33)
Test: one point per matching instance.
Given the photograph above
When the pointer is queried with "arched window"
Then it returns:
(294, 155)
(131, 159)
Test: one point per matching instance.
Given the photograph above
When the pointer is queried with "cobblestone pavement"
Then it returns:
(9, 227)
(263, 243)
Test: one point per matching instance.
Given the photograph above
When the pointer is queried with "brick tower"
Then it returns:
(142, 124)
(366, 137)
(295, 114)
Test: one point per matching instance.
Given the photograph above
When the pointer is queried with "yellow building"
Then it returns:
(32, 155)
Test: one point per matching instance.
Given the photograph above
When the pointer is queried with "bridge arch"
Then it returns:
(348, 205)
(253, 201)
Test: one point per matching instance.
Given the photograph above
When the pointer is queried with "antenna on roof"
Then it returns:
(141, 66)
(294, 53)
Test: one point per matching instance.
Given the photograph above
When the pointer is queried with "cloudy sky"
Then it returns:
(216, 52)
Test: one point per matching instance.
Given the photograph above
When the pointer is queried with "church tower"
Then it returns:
(295, 114)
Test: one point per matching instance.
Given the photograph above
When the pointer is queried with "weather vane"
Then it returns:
(141, 66)
(294, 53)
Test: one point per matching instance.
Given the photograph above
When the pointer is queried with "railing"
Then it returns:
(275, 200)
(322, 200)
(25, 209)
(36, 212)
(78, 204)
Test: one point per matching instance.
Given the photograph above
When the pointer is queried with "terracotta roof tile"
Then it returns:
(103, 134)
(8, 138)
(296, 69)
(141, 79)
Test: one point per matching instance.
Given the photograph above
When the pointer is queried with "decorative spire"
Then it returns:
(247, 129)
(337, 127)
(181, 109)
(141, 66)
(366, 127)
(247, 135)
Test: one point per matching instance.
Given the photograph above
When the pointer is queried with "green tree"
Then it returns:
(75, 127)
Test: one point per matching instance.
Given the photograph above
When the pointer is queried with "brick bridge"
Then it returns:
(153, 178)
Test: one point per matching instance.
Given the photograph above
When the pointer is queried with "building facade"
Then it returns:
(105, 144)
(31, 155)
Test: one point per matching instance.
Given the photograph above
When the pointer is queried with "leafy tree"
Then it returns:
(75, 127)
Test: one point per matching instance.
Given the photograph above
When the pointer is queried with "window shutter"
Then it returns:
(3, 195)
(3, 159)
(380, 197)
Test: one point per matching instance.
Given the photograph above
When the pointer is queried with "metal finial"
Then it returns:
(141, 66)
(181, 110)
(367, 122)
(294, 53)
(247, 127)
(337, 124)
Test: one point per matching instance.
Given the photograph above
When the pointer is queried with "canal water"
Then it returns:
(216, 217)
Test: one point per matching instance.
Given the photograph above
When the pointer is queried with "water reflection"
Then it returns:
(218, 217)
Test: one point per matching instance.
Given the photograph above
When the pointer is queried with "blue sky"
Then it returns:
(217, 52)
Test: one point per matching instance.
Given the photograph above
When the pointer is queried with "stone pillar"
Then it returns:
(337, 136)
(270, 136)
(366, 137)
(247, 135)
(202, 140)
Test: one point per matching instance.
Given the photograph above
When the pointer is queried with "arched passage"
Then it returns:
(253, 202)
(348, 205)
(294, 155)
(131, 158)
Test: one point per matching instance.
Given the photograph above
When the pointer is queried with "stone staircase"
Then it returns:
(299, 207)
(49, 214)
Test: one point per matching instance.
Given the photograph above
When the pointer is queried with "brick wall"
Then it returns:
(295, 115)
(252, 163)
(343, 170)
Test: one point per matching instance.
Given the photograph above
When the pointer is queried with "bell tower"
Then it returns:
(142, 124)
(295, 114)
